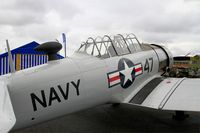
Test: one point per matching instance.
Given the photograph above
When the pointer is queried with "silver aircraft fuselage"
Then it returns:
(79, 82)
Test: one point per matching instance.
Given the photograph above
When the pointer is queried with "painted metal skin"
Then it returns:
(76, 83)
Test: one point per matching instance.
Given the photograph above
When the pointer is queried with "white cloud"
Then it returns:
(174, 23)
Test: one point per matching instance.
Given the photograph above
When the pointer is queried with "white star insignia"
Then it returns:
(127, 73)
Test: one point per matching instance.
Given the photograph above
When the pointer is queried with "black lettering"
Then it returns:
(42, 102)
(146, 67)
(76, 85)
(151, 59)
(53, 96)
(64, 94)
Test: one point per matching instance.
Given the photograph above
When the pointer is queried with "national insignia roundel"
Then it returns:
(126, 73)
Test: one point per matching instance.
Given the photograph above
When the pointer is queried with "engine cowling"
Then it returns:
(164, 55)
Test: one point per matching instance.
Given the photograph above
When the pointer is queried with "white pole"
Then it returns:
(11, 64)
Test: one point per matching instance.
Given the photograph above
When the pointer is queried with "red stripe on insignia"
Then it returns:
(114, 78)
(138, 69)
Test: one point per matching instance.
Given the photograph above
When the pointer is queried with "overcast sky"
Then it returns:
(173, 23)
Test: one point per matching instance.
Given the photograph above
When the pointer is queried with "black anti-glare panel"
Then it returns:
(145, 91)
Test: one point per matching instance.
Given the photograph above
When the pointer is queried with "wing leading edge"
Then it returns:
(7, 116)
(182, 94)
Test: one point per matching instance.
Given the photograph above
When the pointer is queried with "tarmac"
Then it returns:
(121, 119)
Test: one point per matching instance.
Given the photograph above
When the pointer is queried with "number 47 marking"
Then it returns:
(149, 65)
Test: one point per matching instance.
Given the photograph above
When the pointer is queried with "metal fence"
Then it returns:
(21, 61)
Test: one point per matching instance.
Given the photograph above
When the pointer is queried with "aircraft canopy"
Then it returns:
(105, 47)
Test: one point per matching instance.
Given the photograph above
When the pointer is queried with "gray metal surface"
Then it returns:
(122, 119)
(186, 96)
(146, 90)
(180, 94)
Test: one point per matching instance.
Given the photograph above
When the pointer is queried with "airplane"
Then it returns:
(105, 70)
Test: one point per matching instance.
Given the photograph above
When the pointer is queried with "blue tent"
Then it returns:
(23, 57)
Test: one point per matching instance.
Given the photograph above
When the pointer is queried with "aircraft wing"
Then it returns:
(7, 117)
(180, 94)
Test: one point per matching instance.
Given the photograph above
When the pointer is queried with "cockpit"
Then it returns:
(107, 46)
